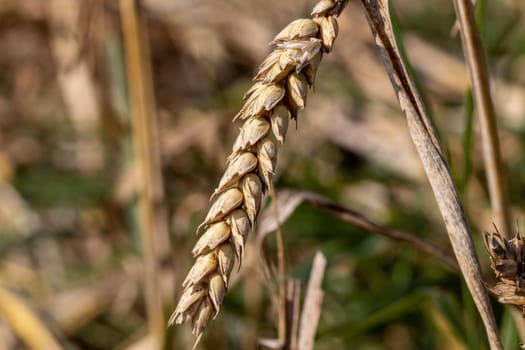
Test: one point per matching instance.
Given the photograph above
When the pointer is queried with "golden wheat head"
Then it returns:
(279, 92)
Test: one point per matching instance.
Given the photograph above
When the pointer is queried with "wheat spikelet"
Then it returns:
(507, 258)
(278, 94)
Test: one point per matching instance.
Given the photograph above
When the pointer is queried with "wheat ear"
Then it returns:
(278, 94)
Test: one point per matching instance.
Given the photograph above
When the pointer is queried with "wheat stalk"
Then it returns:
(434, 161)
(279, 93)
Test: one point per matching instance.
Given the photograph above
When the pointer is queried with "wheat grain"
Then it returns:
(278, 94)
(507, 257)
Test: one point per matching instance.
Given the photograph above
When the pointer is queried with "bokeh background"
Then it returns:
(72, 254)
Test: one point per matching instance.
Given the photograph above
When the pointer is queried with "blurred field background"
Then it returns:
(78, 270)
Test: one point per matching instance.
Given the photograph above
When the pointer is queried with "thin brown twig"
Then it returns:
(480, 80)
(291, 199)
(360, 221)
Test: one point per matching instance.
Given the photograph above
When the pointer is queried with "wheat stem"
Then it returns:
(281, 272)
(434, 162)
(150, 192)
(480, 81)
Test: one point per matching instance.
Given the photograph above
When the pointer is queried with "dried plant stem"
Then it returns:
(289, 200)
(434, 162)
(278, 94)
(293, 307)
(25, 323)
(480, 80)
(153, 228)
(312, 304)
(281, 273)
(362, 222)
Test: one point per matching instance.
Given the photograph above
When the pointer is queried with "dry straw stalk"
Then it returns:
(279, 93)
(434, 162)
(480, 81)
(151, 213)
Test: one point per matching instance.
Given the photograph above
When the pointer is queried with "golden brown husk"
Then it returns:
(508, 262)
(279, 92)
